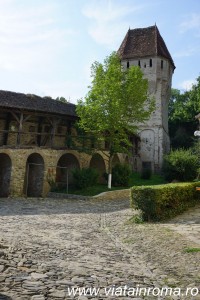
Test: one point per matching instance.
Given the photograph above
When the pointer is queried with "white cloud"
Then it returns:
(186, 85)
(108, 20)
(192, 22)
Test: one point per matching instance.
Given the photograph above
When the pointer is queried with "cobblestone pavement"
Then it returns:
(48, 247)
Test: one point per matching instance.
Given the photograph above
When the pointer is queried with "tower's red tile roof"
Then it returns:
(143, 42)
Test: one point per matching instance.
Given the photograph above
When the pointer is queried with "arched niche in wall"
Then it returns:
(127, 162)
(115, 160)
(34, 177)
(97, 162)
(64, 170)
(5, 174)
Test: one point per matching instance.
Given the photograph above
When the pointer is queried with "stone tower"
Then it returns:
(144, 47)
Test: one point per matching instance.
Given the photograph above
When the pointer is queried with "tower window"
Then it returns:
(139, 63)
(127, 65)
(161, 64)
(150, 63)
(145, 65)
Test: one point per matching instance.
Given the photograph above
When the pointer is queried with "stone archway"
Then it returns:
(5, 174)
(97, 162)
(115, 160)
(34, 177)
(66, 164)
(127, 162)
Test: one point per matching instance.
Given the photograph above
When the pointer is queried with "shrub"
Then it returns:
(180, 165)
(85, 177)
(146, 173)
(121, 175)
(136, 219)
(164, 201)
(196, 150)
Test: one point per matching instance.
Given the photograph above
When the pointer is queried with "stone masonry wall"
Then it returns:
(50, 157)
(154, 132)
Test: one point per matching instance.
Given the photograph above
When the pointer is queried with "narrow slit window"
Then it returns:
(150, 63)
(139, 63)
(161, 64)
(127, 65)
(145, 65)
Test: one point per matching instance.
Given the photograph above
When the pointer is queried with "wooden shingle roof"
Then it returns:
(35, 103)
(143, 42)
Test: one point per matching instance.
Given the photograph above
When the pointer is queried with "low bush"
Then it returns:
(162, 202)
(85, 177)
(121, 175)
(181, 165)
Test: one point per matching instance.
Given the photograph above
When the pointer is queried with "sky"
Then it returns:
(47, 46)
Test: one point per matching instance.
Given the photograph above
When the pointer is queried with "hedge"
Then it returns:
(161, 202)
(85, 177)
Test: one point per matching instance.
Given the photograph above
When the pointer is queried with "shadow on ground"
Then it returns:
(189, 217)
(33, 206)
(48, 206)
(4, 297)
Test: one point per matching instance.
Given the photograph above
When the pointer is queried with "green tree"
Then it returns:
(116, 102)
(181, 165)
(62, 99)
(183, 107)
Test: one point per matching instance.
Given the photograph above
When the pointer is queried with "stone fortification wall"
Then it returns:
(29, 172)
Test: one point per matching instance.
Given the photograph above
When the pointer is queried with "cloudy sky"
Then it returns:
(48, 46)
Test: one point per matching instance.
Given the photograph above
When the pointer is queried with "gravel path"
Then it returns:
(48, 247)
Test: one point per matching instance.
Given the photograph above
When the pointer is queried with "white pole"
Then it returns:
(109, 180)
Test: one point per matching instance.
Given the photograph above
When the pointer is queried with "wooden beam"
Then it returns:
(20, 120)
(6, 127)
(69, 127)
(20, 127)
(54, 123)
(27, 118)
(39, 130)
(15, 116)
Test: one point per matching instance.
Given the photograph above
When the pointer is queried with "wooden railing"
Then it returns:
(23, 139)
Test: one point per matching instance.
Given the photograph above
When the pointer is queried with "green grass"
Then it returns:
(89, 191)
(100, 188)
(128, 241)
(137, 219)
(154, 180)
(191, 250)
